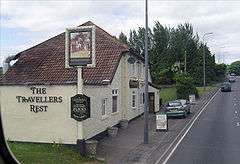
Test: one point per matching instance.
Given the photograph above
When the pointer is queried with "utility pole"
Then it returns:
(204, 61)
(185, 61)
(146, 107)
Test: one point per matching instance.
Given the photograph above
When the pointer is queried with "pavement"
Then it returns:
(127, 147)
(215, 137)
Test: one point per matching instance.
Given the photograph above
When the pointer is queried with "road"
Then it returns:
(215, 136)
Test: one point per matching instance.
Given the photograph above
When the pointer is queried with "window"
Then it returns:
(114, 100)
(139, 69)
(104, 106)
(134, 99)
(132, 69)
(141, 98)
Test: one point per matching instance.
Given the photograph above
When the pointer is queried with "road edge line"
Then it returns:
(189, 125)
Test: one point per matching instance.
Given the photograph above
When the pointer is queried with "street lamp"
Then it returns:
(204, 62)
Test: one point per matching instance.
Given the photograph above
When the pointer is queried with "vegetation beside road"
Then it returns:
(28, 153)
(169, 92)
(207, 89)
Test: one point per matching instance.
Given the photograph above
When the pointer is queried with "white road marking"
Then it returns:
(235, 112)
(192, 122)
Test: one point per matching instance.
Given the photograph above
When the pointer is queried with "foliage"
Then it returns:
(220, 70)
(28, 153)
(168, 46)
(123, 38)
(185, 86)
(234, 68)
(165, 77)
(168, 93)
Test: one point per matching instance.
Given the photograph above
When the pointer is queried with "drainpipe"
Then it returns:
(6, 62)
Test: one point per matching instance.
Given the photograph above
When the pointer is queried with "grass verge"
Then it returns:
(208, 89)
(168, 93)
(29, 153)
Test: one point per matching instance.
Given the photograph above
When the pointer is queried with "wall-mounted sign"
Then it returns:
(80, 46)
(39, 99)
(133, 84)
(161, 122)
(80, 107)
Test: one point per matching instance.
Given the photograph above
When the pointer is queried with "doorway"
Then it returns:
(151, 98)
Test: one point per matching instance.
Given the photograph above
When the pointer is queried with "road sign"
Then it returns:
(161, 122)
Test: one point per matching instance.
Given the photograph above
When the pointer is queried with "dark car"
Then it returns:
(177, 108)
(226, 87)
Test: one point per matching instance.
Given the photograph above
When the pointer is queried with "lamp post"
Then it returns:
(146, 111)
(204, 60)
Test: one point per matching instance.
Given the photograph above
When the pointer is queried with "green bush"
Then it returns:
(185, 86)
(166, 77)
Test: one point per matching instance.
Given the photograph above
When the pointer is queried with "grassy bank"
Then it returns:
(28, 153)
(208, 89)
(168, 93)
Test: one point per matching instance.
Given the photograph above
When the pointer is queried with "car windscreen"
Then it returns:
(174, 104)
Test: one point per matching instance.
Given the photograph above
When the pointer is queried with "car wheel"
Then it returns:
(185, 115)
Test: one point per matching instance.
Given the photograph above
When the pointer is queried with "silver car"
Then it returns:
(178, 108)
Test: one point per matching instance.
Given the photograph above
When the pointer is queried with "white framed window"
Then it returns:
(104, 106)
(134, 98)
(114, 100)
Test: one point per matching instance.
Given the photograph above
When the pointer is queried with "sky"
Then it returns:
(24, 24)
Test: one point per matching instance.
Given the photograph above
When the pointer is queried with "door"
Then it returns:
(151, 97)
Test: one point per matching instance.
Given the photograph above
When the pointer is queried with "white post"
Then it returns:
(79, 91)
(79, 81)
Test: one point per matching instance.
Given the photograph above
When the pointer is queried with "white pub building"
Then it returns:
(36, 92)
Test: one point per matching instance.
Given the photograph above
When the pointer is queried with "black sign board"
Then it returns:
(80, 107)
(133, 84)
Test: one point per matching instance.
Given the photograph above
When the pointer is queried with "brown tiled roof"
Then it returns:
(45, 62)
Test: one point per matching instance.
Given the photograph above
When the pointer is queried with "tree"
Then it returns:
(234, 68)
(137, 39)
(123, 38)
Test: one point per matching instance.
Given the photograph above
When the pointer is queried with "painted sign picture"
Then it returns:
(80, 46)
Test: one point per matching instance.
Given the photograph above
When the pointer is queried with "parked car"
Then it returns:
(232, 79)
(226, 87)
(177, 108)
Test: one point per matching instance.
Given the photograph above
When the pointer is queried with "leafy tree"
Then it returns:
(137, 39)
(220, 70)
(234, 68)
(123, 38)
(185, 86)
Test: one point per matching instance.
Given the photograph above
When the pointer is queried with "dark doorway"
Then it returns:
(151, 97)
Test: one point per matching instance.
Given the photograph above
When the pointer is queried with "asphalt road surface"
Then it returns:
(215, 136)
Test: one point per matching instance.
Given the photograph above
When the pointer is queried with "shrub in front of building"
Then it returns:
(185, 86)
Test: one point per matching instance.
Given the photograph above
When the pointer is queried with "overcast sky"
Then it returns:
(27, 23)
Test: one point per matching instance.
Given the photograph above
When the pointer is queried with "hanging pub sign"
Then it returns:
(161, 122)
(80, 46)
(80, 107)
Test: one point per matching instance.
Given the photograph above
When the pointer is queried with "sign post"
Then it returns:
(161, 122)
(80, 53)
